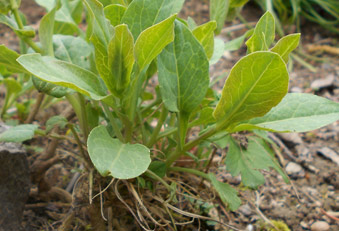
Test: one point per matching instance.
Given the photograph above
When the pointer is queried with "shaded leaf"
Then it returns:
(297, 112)
(286, 45)
(219, 47)
(256, 83)
(205, 35)
(263, 35)
(153, 40)
(18, 133)
(159, 168)
(205, 117)
(64, 74)
(138, 17)
(49, 88)
(248, 162)
(227, 194)
(56, 121)
(111, 157)
(235, 44)
(8, 59)
(218, 12)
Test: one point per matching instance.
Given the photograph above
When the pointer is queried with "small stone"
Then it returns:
(323, 83)
(329, 154)
(295, 170)
(291, 138)
(296, 90)
(304, 225)
(320, 226)
(245, 209)
(304, 153)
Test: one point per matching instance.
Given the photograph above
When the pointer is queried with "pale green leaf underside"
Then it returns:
(248, 162)
(286, 45)
(111, 157)
(227, 194)
(205, 35)
(18, 133)
(64, 74)
(8, 59)
(218, 12)
(256, 83)
(219, 47)
(297, 112)
(46, 30)
(263, 35)
(152, 40)
(142, 14)
(183, 71)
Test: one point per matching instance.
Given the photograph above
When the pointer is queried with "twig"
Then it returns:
(35, 109)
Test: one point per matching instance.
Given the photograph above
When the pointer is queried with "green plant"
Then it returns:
(105, 73)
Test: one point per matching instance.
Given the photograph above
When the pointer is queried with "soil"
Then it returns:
(312, 196)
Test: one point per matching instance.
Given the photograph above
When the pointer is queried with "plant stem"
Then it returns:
(175, 155)
(112, 121)
(21, 26)
(36, 107)
(190, 170)
(151, 174)
(162, 118)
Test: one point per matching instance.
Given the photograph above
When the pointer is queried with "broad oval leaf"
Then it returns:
(183, 72)
(72, 49)
(218, 12)
(18, 133)
(297, 112)
(227, 194)
(153, 40)
(112, 157)
(64, 74)
(205, 35)
(263, 35)
(142, 14)
(114, 13)
(286, 45)
(120, 59)
(256, 83)
(8, 59)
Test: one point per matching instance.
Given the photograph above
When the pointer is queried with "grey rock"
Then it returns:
(296, 90)
(14, 184)
(245, 209)
(304, 153)
(323, 83)
(291, 138)
(320, 226)
(295, 170)
(329, 154)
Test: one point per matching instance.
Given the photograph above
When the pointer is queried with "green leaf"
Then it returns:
(237, 3)
(159, 168)
(153, 40)
(111, 157)
(219, 47)
(46, 30)
(12, 86)
(205, 35)
(227, 194)
(27, 31)
(114, 13)
(100, 32)
(256, 83)
(286, 45)
(56, 121)
(205, 117)
(263, 35)
(72, 49)
(183, 72)
(19, 133)
(64, 74)
(8, 59)
(235, 44)
(7, 5)
(297, 112)
(49, 88)
(120, 59)
(191, 23)
(218, 12)
(142, 14)
(248, 162)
